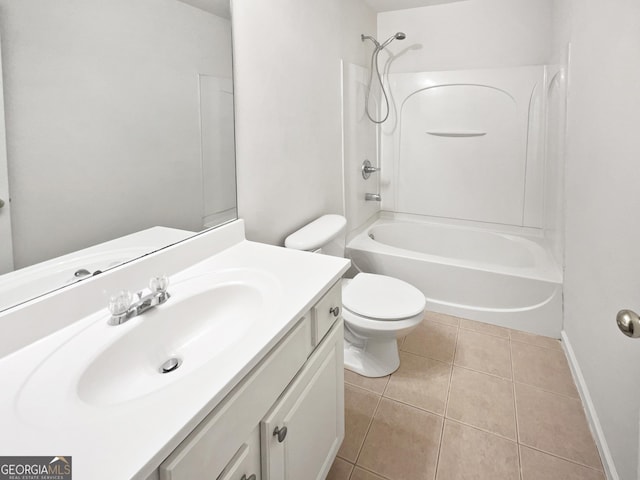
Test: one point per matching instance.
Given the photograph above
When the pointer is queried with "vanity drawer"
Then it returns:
(325, 313)
(245, 464)
(206, 452)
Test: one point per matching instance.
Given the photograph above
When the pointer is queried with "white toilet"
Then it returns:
(376, 309)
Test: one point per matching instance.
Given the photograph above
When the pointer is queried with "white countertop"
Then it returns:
(130, 439)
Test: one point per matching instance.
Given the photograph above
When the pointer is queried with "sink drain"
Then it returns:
(170, 365)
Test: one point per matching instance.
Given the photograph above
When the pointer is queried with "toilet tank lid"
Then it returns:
(317, 233)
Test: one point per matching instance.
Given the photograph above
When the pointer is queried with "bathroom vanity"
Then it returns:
(257, 394)
(285, 419)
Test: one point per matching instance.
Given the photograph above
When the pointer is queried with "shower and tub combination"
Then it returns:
(469, 185)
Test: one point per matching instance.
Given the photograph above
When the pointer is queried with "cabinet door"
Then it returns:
(312, 411)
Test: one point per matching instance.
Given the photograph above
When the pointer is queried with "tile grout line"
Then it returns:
(386, 385)
(422, 409)
(515, 409)
(484, 373)
(364, 439)
(507, 340)
(370, 471)
(559, 349)
(486, 333)
(568, 460)
(570, 397)
(443, 323)
(428, 358)
(353, 469)
(446, 403)
(365, 388)
(493, 434)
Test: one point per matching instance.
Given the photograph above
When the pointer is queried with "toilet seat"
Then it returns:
(380, 298)
(378, 309)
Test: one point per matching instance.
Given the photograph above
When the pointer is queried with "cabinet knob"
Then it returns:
(252, 477)
(335, 311)
(281, 433)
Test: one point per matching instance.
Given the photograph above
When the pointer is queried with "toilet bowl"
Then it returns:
(377, 309)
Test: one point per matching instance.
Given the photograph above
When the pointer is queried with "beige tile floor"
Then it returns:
(469, 401)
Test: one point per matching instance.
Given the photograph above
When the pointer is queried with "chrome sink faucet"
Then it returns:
(123, 307)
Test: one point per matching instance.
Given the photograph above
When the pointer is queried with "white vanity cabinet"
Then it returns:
(312, 411)
(285, 420)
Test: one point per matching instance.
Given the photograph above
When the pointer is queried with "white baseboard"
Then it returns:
(592, 415)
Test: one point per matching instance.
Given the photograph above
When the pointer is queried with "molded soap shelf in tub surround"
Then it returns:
(107, 406)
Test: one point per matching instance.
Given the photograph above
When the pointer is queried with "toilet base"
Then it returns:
(372, 357)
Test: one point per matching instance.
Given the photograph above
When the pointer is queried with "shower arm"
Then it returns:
(364, 37)
(374, 66)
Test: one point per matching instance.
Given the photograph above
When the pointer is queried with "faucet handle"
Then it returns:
(120, 303)
(159, 284)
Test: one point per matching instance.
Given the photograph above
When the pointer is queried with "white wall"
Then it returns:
(602, 215)
(98, 96)
(560, 31)
(470, 34)
(287, 57)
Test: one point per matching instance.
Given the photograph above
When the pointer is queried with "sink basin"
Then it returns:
(193, 329)
(105, 365)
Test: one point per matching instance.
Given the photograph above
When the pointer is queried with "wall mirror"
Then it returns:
(118, 120)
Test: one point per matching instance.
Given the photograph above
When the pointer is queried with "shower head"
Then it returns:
(397, 36)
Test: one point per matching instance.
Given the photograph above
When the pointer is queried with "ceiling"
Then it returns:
(219, 8)
(389, 5)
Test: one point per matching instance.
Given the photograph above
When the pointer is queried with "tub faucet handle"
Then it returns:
(368, 169)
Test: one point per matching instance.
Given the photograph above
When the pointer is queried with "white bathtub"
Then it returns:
(496, 277)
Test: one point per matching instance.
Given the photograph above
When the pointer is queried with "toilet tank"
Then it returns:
(324, 235)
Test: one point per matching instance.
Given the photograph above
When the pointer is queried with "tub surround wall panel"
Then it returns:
(289, 125)
(466, 144)
(554, 163)
(602, 205)
(470, 34)
(556, 127)
(360, 143)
